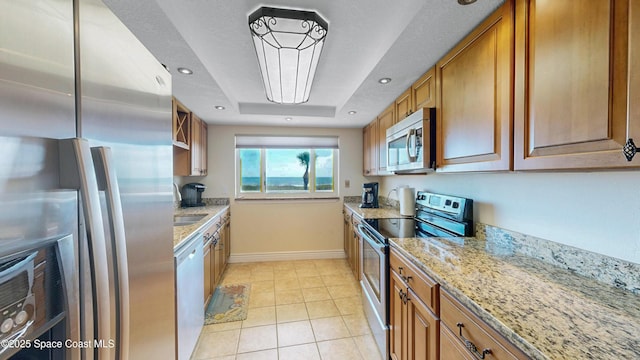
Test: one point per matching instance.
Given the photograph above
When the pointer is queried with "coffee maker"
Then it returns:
(192, 195)
(369, 195)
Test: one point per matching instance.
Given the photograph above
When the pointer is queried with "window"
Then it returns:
(278, 166)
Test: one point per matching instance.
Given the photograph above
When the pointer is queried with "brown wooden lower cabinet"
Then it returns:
(423, 333)
(217, 262)
(413, 333)
(216, 253)
(353, 244)
(208, 290)
(347, 234)
(451, 347)
(461, 330)
(397, 318)
(427, 323)
(227, 231)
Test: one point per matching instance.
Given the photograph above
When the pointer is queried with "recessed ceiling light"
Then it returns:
(288, 119)
(466, 2)
(352, 112)
(219, 107)
(384, 80)
(183, 70)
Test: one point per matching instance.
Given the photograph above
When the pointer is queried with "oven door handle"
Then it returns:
(377, 245)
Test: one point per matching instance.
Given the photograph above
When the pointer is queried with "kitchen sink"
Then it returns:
(183, 220)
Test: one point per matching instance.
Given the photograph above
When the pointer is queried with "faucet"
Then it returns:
(177, 197)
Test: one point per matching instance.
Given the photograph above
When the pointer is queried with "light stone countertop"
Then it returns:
(183, 233)
(546, 311)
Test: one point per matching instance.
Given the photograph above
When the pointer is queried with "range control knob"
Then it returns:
(6, 326)
(21, 317)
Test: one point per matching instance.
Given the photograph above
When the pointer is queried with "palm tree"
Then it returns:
(304, 161)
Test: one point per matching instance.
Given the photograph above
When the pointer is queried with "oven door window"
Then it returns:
(372, 263)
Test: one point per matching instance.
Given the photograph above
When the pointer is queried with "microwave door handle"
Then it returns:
(108, 182)
(77, 172)
(411, 145)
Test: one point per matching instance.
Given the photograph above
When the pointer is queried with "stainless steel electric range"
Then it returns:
(436, 216)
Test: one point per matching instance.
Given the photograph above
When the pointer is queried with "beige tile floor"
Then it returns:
(309, 310)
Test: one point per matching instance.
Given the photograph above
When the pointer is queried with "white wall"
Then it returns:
(281, 227)
(595, 211)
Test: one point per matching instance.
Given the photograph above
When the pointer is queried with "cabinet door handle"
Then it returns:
(629, 149)
(404, 297)
(471, 346)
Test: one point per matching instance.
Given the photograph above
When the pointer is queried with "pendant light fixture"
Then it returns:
(288, 44)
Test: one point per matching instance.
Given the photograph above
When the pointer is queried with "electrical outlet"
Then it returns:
(347, 183)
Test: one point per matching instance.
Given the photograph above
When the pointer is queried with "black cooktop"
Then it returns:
(393, 228)
(406, 228)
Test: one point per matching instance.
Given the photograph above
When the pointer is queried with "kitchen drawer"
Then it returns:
(459, 320)
(425, 287)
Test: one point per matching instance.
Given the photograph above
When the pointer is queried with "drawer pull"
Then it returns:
(470, 346)
(404, 278)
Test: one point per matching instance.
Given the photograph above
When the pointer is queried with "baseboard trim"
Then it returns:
(287, 256)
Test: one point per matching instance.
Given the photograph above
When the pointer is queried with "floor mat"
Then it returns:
(228, 303)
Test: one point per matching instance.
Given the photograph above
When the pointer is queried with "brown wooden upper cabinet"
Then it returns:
(385, 120)
(181, 124)
(190, 142)
(370, 149)
(420, 95)
(423, 91)
(198, 146)
(404, 105)
(474, 107)
(571, 69)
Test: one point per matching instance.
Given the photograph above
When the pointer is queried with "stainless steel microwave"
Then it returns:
(411, 143)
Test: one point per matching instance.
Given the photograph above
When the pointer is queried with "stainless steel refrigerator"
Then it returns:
(86, 167)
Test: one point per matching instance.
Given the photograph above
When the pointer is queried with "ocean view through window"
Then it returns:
(269, 170)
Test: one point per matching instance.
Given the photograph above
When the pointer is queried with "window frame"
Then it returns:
(311, 193)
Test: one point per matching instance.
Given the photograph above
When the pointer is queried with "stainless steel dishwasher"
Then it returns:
(189, 298)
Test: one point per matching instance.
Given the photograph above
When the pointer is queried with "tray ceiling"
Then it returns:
(367, 40)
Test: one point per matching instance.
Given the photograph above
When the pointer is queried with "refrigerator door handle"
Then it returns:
(77, 172)
(108, 182)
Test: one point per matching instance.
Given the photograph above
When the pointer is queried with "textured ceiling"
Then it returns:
(367, 40)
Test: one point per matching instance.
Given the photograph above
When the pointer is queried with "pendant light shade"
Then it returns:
(288, 44)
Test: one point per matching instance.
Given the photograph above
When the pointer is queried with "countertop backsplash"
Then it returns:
(383, 201)
(207, 202)
(602, 268)
(352, 199)
(216, 201)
